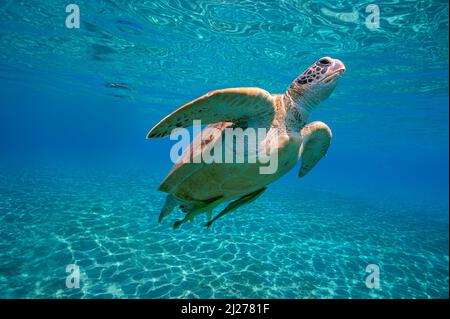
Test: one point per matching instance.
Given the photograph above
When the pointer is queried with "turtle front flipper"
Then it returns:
(241, 106)
(316, 141)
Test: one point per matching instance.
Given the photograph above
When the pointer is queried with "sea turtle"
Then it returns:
(200, 187)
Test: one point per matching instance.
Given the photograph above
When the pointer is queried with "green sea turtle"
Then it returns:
(200, 187)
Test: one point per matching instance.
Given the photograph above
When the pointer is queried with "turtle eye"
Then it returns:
(324, 62)
(302, 81)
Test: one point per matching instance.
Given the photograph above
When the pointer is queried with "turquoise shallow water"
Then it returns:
(311, 244)
(78, 179)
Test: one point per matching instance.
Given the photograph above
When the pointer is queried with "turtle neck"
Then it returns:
(298, 108)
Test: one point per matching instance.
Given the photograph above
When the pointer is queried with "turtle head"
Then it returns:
(317, 82)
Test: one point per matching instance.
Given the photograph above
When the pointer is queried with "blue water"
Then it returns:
(78, 179)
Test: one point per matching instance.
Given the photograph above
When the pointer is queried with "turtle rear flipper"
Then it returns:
(192, 211)
(236, 204)
(169, 206)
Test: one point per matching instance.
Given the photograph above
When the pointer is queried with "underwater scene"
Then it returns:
(83, 82)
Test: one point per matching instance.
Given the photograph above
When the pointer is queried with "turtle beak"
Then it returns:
(338, 66)
(335, 70)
